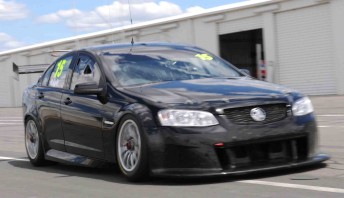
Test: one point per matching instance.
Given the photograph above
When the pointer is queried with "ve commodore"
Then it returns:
(167, 110)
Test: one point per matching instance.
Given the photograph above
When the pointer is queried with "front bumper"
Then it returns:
(191, 152)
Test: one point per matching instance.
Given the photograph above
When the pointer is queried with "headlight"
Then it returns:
(302, 107)
(173, 117)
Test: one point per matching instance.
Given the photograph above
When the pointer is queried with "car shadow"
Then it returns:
(113, 174)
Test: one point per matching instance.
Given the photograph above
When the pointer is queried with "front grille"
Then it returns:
(241, 115)
(251, 155)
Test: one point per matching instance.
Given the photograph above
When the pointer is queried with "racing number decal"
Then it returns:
(204, 56)
(60, 67)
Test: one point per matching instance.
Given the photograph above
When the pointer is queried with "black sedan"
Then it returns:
(166, 110)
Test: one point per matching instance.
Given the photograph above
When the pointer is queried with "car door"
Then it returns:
(48, 101)
(82, 114)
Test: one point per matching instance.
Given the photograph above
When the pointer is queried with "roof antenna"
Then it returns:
(131, 23)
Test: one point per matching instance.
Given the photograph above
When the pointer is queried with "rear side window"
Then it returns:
(59, 74)
(46, 76)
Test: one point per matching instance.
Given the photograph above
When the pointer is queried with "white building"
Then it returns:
(300, 41)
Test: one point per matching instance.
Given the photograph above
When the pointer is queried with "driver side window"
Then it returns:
(87, 70)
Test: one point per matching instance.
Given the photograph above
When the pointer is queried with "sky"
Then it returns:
(28, 22)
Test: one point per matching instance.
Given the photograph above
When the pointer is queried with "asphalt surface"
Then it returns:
(19, 179)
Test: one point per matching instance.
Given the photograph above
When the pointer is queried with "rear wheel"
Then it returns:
(33, 144)
(132, 149)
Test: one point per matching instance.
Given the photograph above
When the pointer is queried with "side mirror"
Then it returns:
(246, 71)
(88, 88)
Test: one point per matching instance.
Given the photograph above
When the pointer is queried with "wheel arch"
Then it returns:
(142, 113)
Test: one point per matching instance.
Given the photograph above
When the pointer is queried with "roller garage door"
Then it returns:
(305, 54)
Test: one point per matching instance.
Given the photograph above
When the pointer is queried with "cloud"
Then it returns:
(195, 9)
(8, 42)
(59, 16)
(114, 15)
(10, 10)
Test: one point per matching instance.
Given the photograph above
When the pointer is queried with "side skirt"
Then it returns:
(73, 159)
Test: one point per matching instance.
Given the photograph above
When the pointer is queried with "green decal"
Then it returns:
(204, 56)
(60, 67)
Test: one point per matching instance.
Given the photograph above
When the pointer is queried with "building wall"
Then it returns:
(5, 80)
(302, 38)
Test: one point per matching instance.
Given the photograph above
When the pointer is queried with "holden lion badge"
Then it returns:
(258, 114)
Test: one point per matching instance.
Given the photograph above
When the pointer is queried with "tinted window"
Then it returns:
(159, 64)
(47, 76)
(87, 70)
(59, 74)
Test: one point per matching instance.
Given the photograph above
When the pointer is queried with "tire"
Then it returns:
(131, 149)
(33, 143)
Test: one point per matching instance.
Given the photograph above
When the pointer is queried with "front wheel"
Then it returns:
(33, 144)
(131, 149)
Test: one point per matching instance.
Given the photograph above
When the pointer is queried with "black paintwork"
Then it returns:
(85, 126)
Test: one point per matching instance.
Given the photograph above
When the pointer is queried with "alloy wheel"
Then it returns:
(31, 139)
(129, 145)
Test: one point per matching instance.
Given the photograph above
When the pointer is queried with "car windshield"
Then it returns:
(158, 64)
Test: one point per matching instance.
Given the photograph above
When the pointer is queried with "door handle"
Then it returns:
(40, 95)
(67, 101)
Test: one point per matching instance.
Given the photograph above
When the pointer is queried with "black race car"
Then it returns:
(165, 109)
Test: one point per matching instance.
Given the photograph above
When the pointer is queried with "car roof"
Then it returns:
(129, 46)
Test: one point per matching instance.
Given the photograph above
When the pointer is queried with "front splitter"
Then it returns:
(196, 172)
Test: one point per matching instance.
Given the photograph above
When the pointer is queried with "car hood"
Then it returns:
(209, 90)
